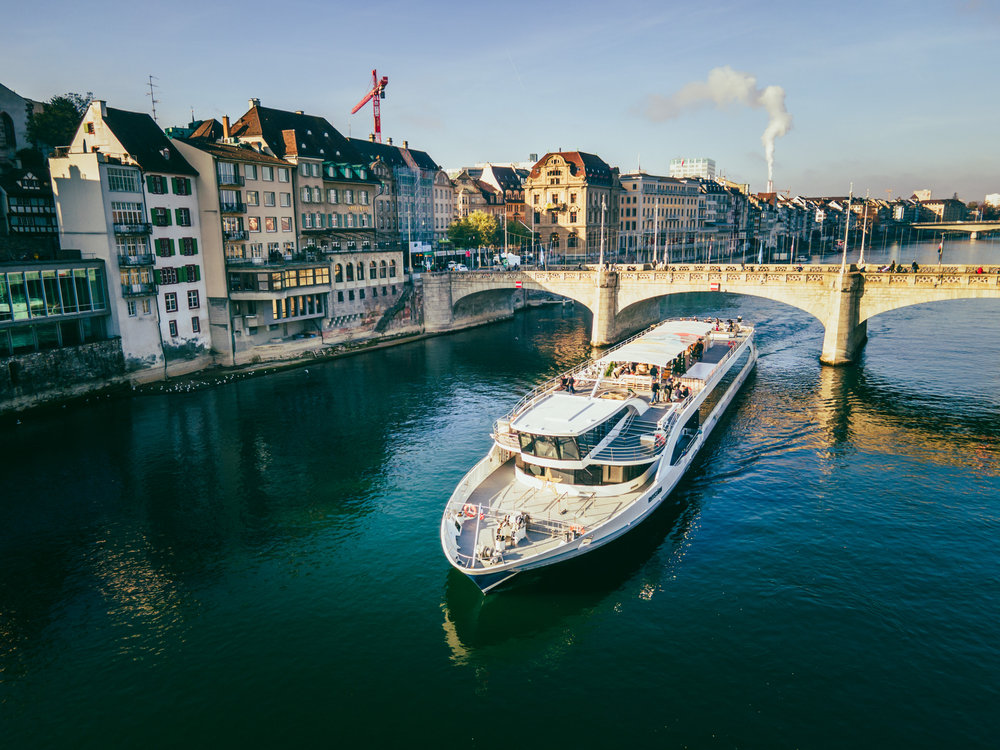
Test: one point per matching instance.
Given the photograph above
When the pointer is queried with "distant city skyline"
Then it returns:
(890, 96)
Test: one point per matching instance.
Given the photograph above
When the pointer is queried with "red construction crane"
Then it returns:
(377, 92)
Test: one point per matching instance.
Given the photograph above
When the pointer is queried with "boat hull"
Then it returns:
(664, 480)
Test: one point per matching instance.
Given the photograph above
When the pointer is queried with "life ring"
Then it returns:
(578, 530)
(469, 510)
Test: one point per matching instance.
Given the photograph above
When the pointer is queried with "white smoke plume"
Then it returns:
(726, 86)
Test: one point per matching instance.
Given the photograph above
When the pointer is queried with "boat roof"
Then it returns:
(661, 344)
(565, 414)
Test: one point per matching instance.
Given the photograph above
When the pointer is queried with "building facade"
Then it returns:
(658, 216)
(573, 199)
(125, 194)
(701, 168)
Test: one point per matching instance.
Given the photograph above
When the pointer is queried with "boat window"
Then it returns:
(527, 441)
(545, 447)
(568, 448)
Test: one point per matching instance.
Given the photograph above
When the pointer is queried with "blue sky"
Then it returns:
(889, 95)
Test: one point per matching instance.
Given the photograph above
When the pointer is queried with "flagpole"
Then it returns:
(847, 230)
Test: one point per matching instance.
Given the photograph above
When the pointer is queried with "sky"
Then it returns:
(890, 96)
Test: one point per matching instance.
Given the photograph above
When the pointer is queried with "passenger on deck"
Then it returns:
(571, 384)
(656, 391)
(562, 383)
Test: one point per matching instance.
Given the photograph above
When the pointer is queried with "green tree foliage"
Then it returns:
(487, 227)
(58, 120)
(462, 234)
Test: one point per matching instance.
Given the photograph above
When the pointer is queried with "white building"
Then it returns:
(701, 167)
(993, 199)
(124, 194)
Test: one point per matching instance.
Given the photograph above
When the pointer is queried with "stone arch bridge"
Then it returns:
(623, 298)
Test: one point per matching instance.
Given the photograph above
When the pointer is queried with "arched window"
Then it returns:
(392, 269)
(361, 270)
(372, 273)
(554, 240)
(338, 273)
(382, 269)
(350, 272)
(571, 241)
(7, 139)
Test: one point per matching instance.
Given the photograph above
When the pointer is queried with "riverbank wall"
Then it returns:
(59, 376)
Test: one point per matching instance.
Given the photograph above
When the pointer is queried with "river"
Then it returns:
(258, 564)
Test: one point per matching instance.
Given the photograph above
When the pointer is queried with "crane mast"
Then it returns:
(376, 93)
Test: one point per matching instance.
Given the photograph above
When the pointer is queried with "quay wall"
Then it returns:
(28, 380)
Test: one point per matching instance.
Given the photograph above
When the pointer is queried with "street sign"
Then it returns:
(714, 286)
(517, 284)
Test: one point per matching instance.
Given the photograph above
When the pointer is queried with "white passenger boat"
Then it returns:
(588, 455)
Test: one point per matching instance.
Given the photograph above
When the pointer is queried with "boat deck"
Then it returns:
(553, 516)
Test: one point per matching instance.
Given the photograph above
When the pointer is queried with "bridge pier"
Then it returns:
(844, 335)
(438, 308)
(604, 328)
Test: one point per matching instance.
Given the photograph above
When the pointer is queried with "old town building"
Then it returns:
(572, 200)
(126, 195)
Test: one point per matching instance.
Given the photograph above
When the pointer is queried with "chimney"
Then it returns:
(104, 108)
(371, 137)
(225, 126)
(389, 140)
(299, 112)
(533, 157)
(254, 103)
(406, 144)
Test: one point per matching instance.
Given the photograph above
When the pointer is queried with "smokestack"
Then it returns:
(254, 103)
(770, 186)
(225, 126)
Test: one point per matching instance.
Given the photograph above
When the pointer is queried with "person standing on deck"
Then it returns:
(656, 391)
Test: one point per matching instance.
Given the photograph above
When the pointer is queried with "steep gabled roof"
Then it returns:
(209, 129)
(146, 143)
(315, 137)
(232, 152)
(394, 156)
(593, 167)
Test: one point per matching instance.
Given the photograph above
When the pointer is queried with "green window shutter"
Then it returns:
(177, 215)
(196, 272)
(174, 185)
(156, 275)
(171, 244)
(150, 183)
(182, 273)
(194, 246)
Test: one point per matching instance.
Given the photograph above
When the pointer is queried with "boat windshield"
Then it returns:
(548, 446)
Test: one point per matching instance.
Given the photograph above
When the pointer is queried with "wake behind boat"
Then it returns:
(588, 455)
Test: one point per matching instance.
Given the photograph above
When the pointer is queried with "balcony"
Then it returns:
(235, 235)
(226, 180)
(276, 260)
(145, 289)
(139, 259)
(231, 207)
(141, 228)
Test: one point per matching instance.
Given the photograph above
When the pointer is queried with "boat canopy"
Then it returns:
(661, 345)
(564, 414)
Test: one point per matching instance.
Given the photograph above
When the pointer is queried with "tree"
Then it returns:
(518, 234)
(462, 234)
(487, 228)
(56, 123)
